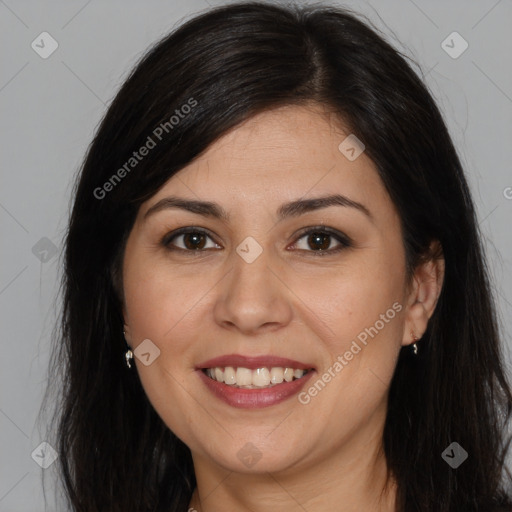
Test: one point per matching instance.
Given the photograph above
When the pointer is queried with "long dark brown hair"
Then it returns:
(115, 453)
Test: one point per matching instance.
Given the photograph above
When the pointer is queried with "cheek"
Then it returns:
(158, 297)
(353, 297)
(352, 385)
(160, 307)
(358, 315)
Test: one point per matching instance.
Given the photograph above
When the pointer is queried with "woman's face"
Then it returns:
(278, 281)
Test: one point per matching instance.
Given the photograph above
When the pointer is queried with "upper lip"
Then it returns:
(253, 362)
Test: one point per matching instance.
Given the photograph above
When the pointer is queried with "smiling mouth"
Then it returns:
(259, 378)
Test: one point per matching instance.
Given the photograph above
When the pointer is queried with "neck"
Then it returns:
(351, 478)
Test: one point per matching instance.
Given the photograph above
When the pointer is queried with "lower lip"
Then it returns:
(254, 398)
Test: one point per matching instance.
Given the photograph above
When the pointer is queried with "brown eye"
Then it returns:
(319, 240)
(192, 240)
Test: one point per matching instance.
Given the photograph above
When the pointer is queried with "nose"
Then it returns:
(253, 297)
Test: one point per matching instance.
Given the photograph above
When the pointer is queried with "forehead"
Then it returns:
(277, 156)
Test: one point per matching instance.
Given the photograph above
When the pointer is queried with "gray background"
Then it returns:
(50, 108)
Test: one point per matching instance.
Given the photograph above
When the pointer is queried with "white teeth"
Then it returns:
(229, 375)
(276, 375)
(243, 377)
(219, 374)
(258, 378)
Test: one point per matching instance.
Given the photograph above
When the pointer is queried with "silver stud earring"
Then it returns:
(414, 345)
(128, 355)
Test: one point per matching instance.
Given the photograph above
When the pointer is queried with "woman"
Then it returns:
(275, 296)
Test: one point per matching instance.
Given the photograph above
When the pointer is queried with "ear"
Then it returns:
(423, 293)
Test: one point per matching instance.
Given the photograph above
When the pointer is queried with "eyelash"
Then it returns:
(344, 241)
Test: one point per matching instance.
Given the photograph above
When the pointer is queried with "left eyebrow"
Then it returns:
(292, 209)
(301, 206)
